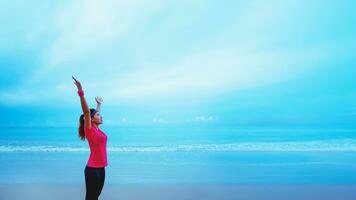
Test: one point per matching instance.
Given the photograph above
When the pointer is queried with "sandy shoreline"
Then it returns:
(175, 192)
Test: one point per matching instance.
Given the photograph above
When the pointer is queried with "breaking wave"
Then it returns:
(325, 145)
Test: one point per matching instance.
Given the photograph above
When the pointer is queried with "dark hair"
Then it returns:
(81, 123)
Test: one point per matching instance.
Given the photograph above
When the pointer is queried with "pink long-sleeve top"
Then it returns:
(97, 142)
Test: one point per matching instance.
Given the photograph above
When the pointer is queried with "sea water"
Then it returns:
(182, 155)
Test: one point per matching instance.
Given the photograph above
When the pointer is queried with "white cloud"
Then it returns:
(81, 27)
(84, 27)
(89, 25)
(258, 15)
(208, 73)
(200, 75)
(203, 119)
(123, 120)
(158, 120)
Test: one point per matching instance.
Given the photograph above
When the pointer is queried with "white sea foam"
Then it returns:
(326, 145)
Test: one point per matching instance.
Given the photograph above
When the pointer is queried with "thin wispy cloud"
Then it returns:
(161, 54)
(86, 28)
(203, 119)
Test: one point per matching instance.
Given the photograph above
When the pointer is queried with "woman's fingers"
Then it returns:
(75, 79)
(98, 99)
(77, 83)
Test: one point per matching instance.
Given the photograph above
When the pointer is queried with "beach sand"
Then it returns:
(186, 192)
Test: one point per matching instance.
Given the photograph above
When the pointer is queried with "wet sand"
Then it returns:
(175, 192)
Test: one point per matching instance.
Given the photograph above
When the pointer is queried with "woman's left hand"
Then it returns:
(98, 100)
(78, 84)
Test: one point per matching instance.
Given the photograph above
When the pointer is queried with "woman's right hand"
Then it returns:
(77, 83)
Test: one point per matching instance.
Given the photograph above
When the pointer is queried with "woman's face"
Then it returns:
(97, 119)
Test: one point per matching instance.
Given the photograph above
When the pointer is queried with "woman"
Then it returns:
(89, 123)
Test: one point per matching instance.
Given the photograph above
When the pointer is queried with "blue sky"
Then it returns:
(179, 62)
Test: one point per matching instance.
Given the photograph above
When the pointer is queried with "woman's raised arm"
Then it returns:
(83, 102)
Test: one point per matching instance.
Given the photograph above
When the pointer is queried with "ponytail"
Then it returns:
(81, 123)
(81, 127)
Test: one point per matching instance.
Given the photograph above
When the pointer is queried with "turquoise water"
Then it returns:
(171, 155)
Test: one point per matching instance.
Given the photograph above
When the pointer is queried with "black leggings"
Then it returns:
(94, 182)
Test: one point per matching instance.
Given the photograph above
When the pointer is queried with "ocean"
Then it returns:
(182, 155)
